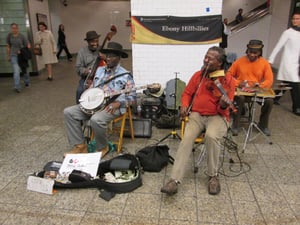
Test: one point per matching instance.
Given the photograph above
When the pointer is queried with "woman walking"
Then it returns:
(45, 39)
(62, 45)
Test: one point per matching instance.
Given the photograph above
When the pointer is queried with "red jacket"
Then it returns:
(207, 100)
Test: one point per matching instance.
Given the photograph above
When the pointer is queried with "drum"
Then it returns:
(92, 100)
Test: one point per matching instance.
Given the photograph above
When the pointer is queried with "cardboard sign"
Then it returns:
(41, 185)
(88, 163)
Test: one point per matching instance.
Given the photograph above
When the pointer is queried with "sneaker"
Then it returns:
(170, 188)
(234, 131)
(104, 151)
(265, 130)
(296, 112)
(17, 90)
(214, 186)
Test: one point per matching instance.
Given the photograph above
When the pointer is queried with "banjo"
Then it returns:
(95, 99)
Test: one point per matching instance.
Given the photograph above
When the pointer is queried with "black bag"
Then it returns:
(124, 162)
(167, 121)
(79, 176)
(155, 157)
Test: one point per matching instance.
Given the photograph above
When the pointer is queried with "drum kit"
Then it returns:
(95, 99)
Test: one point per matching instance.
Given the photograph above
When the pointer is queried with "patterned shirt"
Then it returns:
(120, 83)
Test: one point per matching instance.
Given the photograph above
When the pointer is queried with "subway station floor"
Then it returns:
(32, 133)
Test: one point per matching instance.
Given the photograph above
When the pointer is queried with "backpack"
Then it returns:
(123, 165)
(154, 158)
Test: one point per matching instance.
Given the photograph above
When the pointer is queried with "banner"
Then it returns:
(176, 30)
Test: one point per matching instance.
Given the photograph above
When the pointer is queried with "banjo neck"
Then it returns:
(126, 90)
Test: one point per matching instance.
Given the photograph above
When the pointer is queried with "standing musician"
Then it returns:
(111, 78)
(252, 71)
(86, 58)
(206, 108)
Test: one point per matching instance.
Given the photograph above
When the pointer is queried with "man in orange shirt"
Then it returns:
(252, 70)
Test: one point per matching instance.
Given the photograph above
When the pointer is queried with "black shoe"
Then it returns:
(50, 78)
(70, 59)
(17, 90)
(27, 85)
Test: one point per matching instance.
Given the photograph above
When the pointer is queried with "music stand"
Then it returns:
(173, 133)
(252, 124)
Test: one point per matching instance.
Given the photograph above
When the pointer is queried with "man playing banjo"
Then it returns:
(109, 79)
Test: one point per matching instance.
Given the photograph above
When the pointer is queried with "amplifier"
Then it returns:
(142, 128)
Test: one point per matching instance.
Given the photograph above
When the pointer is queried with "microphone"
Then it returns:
(221, 89)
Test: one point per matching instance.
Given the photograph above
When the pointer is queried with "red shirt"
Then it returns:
(207, 100)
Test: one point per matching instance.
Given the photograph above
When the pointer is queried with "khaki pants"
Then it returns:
(216, 128)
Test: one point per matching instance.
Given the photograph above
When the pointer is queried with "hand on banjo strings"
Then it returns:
(112, 107)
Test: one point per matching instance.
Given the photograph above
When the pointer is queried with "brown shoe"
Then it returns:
(81, 148)
(214, 186)
(170, 188)
(104, 151)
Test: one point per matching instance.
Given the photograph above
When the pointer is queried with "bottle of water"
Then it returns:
(139, 110)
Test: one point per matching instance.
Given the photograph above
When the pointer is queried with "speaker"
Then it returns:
(142, 128)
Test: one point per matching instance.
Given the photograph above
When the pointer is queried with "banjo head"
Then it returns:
(92, 98)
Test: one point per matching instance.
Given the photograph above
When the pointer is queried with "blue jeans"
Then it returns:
(16, 70)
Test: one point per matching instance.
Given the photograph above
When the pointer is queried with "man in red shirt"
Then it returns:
(249, 71)
(207, 108)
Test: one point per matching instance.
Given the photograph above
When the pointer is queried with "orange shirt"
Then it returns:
(258, 71)
(206, 102)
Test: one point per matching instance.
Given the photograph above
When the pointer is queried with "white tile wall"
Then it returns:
(176, 7)
(158, 63)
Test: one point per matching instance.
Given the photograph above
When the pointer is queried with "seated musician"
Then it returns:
(209, 110)
(250, 71)
(108, 80)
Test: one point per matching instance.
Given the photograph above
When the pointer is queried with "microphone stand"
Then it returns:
(173, 133)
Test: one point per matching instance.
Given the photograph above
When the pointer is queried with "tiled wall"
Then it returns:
(11, 11)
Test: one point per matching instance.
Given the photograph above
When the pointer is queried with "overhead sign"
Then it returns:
(176, 30)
